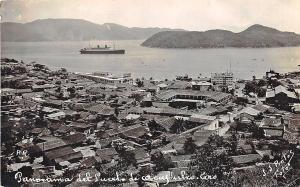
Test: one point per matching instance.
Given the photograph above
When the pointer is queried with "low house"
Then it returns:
(201, 136)
(153, 89)
(181, 161)
(75, 139)
(49, 110)
(64, 130)
(249, 115)
(265, 153)
(208, 122)
(201, 86)
(53, 103)
(175, 146)
(292, 130)
(296, 108)
(272, 127)
(140, 155)
(63, 154)
(243, 147)
(162, 86)
(132, 117)
(56, 116)
(244, 160)
(166, 111)
(101, 134)
(105, 143)
(135, 133)
(38, 88)
(280, 96)
(101, 109)
(107, 154)
(88, 162)
(82, 127)
(163, 124)
(40, 132)
(49, 143)
(270, 132)
(7, 94)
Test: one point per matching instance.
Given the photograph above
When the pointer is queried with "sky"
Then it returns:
(198, 15)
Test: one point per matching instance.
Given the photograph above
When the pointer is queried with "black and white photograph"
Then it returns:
(150, 93)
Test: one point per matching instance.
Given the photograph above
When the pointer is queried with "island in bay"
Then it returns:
(256, 36)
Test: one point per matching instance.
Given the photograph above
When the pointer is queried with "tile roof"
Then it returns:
(135, 132)
(106, 152)
(51, 143)
(251, 111)
(166, 123)
(78, 125)
(140, 153)
(101, 109)
(74, 138)
(244, 159)
(273, 132)
(56, 153)
(272, 122)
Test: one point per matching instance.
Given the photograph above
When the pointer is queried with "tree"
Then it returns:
(232, 144)
(72, 91)
(217, 166)
(144, 171)
(215, 141)
(110, 172)
(139, 83)
(256, 131)
(128, 158)
(161, 163)
(262, 83)
(58, 89)
(255, 177)
(26, 171)
(117, 111)
(138, 97)
(250, 87)
(261, 92)
(189, 146)
(178, 127)
(63, 70)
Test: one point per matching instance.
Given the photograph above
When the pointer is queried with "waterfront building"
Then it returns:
(107, 78)
(222, 79)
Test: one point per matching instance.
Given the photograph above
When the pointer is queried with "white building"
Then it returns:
(202, 86)
(224, 79)
(107, 78)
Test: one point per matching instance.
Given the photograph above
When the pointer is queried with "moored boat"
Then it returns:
(101, 50)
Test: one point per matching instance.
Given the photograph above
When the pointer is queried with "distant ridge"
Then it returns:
(71, 30)
(256, 36)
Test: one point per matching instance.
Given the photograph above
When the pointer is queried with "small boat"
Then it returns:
(101, 50)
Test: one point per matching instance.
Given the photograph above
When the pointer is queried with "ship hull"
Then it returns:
(120, 51)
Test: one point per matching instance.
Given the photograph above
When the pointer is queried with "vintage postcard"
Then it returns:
(150, 93)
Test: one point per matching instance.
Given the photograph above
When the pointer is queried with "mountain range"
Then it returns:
(256, 36)
(72, 30)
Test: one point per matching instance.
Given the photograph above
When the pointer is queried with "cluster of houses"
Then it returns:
(56, 123)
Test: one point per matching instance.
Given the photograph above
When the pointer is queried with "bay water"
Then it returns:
(155, 62)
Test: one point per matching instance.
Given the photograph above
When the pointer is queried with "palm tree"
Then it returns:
(179, 126)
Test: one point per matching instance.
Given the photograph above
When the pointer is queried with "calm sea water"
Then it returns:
(157, 63)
